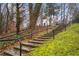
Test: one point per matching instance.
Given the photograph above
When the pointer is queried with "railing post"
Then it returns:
(20, 47)
(47, 29)
(53, 34)
(31, 35)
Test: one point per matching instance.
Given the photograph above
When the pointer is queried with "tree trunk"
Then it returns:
(50, 20)
(17, 19)
(0, 20)
(34, 15)
(61, 14)
(64, 21)
(7, 20)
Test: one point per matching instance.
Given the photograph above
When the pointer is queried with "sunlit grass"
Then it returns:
(65, 44)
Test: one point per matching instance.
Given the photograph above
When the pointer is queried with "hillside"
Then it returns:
(65, 44)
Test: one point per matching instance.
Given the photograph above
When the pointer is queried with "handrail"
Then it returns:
(3, 38)
(14, 34)
(17, 39)
(7, 39)
(12, 41)
(11, 34)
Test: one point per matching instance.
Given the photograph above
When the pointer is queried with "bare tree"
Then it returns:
(7, 19)
(34, 13)
(0, 20)
(17, 19)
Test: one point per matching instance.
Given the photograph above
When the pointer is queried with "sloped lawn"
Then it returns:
(65, 44)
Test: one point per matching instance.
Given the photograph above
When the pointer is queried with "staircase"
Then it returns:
(26, 47)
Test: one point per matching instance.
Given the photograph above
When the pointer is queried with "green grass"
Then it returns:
(65, 44)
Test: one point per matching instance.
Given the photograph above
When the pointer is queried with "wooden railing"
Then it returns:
(7, 42)
(10, 41)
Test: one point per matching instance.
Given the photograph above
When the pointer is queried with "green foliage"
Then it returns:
(65, 44)
(76, 19)
(18, 36)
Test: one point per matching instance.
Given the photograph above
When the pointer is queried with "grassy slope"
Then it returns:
(65, 43)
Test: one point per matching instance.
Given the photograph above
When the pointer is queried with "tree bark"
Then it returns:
(17, 19)
(7, 20)
(0, 20)
(34, 15)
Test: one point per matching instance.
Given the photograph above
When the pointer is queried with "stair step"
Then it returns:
(30, 44)
(27, 49)
(38, 42)
(44, 37)
(41, 39)
(10, 53)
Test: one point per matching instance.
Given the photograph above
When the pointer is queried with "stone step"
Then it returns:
(38, 42)
(27, 49)
(30, 44)
(10, 53)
